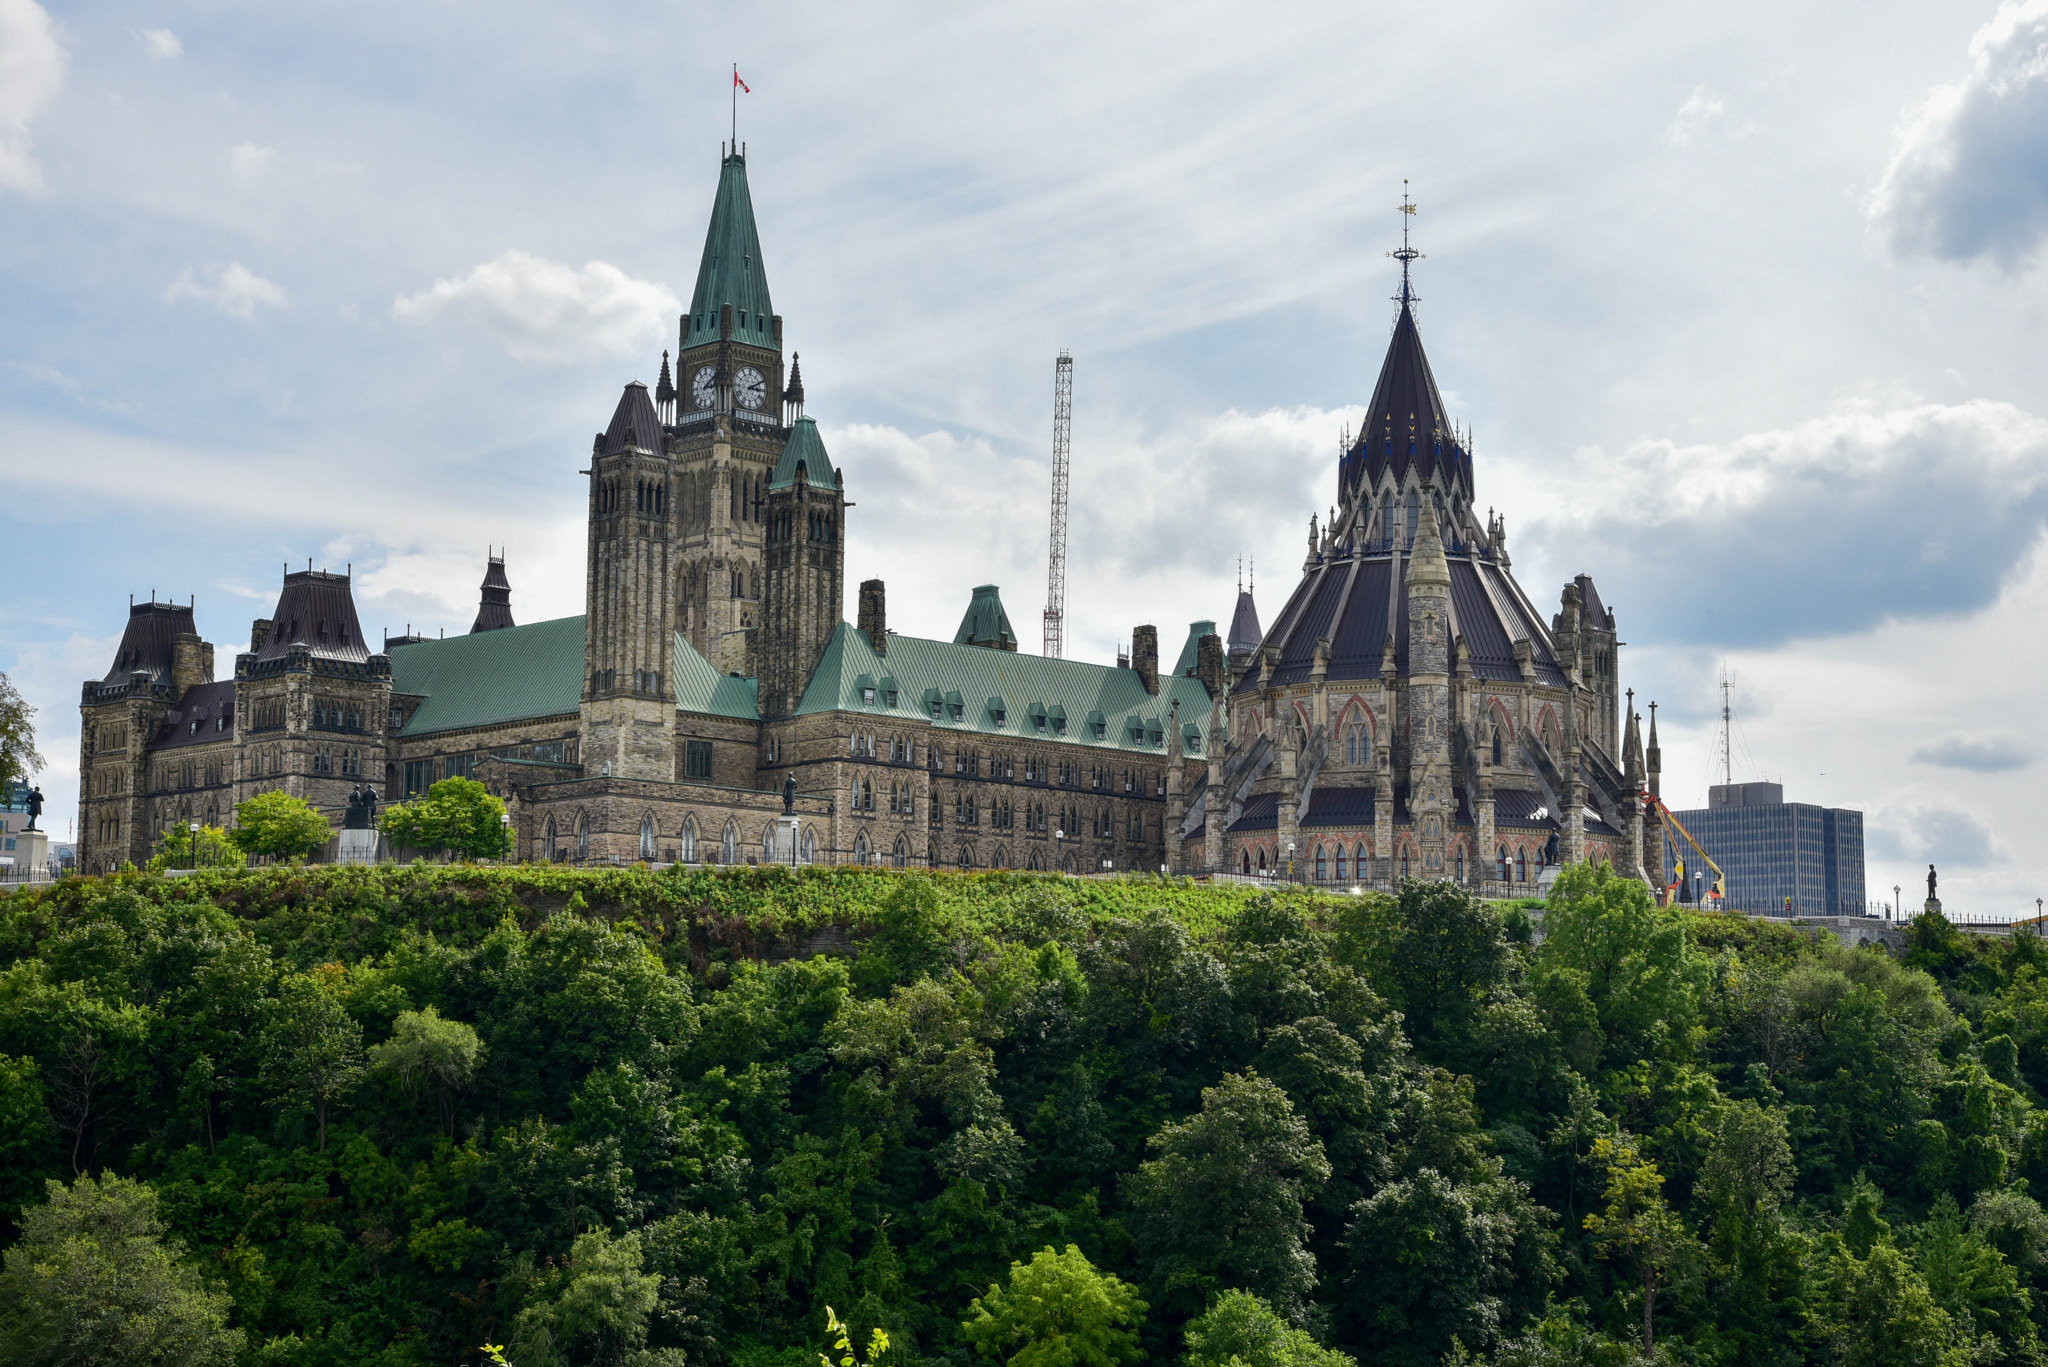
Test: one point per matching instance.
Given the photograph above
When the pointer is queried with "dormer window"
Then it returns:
(867, 695)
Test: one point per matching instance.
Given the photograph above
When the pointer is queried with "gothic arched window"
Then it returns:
(1521, 866)
(900, 856)
(1496, 747)
(647, 837)
(582, 836)
(1414, 518)
(1322, 868)
(1461, 863)
(860, 848)
(689, 840)
(1502, 866)
(810, 847)
(729, 845)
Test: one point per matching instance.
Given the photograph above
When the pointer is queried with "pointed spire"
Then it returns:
(664, 388)
(793, 394)
(494, 601)
(634, 423)
(1426, 563)
(731, 272)
(1632, 743)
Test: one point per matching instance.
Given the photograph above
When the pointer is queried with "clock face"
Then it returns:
(750, 387)
(704, 387)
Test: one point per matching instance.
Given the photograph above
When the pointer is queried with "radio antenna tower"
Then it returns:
(1727, 715)
(1056, 568)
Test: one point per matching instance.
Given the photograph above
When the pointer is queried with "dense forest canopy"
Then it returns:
(387, 1116)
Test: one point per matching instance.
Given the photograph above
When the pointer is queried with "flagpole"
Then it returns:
(735, 108)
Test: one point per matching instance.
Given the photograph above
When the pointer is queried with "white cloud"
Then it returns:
(248, 160)
(1937, 833)
(1699, 110)
(234, 289)
(1969, 173)
(1826, 527)
(542, 310)
(31, 74)
(1979, 753)
(162, 44)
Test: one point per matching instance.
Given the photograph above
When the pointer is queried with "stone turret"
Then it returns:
(1429, 693)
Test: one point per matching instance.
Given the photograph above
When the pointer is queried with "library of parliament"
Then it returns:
(1408, 712)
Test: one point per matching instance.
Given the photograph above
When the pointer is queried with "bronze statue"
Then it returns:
(35, 806)
(789, 794)
(1930, 882)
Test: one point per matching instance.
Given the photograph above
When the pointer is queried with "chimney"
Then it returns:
(874, 615)
(191, 662)
(1211, 665)
(1145, 656)
(259, 632)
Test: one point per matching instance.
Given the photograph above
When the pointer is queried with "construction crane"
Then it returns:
(1671, 823)
(1056, 567)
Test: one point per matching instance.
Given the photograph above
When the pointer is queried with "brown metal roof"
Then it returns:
(634, 421)
(206, 713)
(147, 644)
(494, 606)
(315, 611)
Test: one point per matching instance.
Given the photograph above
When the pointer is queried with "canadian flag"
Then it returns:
(740, 83)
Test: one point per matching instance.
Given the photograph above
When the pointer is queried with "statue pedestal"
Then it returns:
(1933, 906)
(31, 856)
(786, 835)
(357, 847)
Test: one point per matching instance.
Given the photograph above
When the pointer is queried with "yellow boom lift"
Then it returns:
(1719, 891)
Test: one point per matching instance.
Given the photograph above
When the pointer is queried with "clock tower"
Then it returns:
(724, 419)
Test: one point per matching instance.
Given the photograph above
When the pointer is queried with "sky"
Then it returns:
(1743, 305)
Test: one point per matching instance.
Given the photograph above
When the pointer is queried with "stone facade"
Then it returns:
(1408, 713)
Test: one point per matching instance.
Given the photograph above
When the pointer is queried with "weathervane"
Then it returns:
(1407, 253)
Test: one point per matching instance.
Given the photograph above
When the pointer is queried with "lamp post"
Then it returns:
(1290, 861)
(193, 827)
(505, 825)
(1059, 836)
(1898, 912)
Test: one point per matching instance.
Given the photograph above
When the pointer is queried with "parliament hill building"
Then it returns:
(1408, 713)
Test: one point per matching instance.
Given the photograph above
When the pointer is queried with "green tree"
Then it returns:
(1057, 1311)
(1614, 963)
(276, 823)
(1876, 1311)
(1240, 1330)
(18, 757)
(456, 815)
(431, 1055)
(313, 1049)
(179, 847)
(94, 1282)
(1219, 1205)
(1436, 1263)
(1638, 1227)
(1444, 962)
(592, 1311)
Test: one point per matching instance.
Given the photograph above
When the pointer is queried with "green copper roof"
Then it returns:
(1002, 693)
(701, 688)
(1189, 652)
(493, 676)
(985, 620)
(806, 448)
(731, 271)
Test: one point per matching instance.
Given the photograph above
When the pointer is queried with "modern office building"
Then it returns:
(1772, 850)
